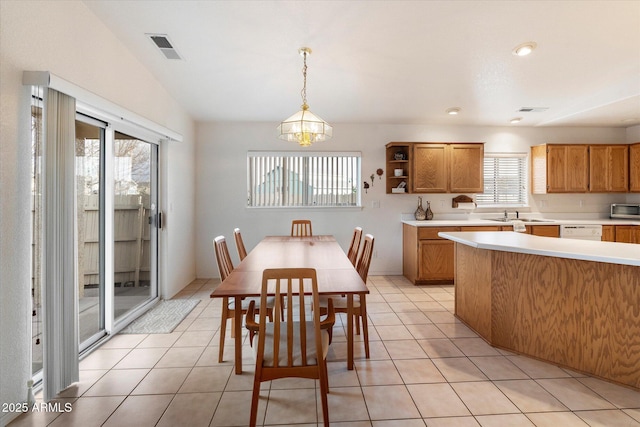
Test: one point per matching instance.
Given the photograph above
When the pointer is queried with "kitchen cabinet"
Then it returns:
(544, 230)
(634, 167)
(436, 167)
(608, 168)
(608, 233)
(426, 257)
(628, 233)
(559, 168)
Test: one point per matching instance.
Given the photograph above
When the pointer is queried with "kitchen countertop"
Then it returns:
(539, 221)
(509, 241)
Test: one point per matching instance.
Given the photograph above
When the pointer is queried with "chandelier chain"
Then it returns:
(304, 86)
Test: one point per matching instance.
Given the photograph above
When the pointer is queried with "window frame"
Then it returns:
(523, 179)
(354, 172)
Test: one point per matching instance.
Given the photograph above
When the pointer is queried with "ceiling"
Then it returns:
(393, 62)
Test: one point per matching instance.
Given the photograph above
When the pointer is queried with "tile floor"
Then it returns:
(426, 368)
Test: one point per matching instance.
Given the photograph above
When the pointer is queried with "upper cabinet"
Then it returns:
(436, 167)
(634, 167)
(608, 168)
(580, 168)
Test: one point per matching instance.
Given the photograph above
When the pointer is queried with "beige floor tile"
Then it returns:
(377, 372)
(574, 395)
(484, 398)
(396, 423)
(475, 347)
(180, 357)
(418, 297)
(396, 298)
(498, 368)
(195, 339)
(103, 358)
(424, 332)
(378, 307)
(124, 341)
(414, 318)
(389, 402)
(340, 376)
(162, 381)
(452, 422)
(615, 418)
(418, 371)
(292, 383)
(437, 400)
(403, 307)
(204, 324)
(439, 317)
(459, 369)
(86, 380)
(506, 420)
(428, 306)
(386, 319)
(397, 332)
(206, 379)
(291, 407)
(633, 413)
(528, 396)
(405, 349)
(438, 348)
(89, 412)
(139, 411)
(556, 419)
(621, 397)
(141, 358)
(118, 382)
(160, 340)
(537, 369)
(190, 409)
(457, 330)
(234, 409)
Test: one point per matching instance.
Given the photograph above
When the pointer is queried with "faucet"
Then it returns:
(506, 216)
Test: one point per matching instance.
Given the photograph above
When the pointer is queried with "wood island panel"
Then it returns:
(578, 314)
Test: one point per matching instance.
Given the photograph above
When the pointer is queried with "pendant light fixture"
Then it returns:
(304, 127)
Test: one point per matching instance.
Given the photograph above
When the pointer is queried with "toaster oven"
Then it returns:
(631, 211)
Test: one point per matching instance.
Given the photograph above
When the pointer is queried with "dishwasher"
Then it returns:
(581, 232)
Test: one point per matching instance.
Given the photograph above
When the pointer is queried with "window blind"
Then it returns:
(505, 180)
(295, 179)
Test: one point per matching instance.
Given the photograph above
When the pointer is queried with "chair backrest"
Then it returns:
(352, 254)
(242, 252)
(301, 228)
(365, 258)
(291, 318)
(225, 266)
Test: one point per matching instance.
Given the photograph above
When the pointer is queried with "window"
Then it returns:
(303, 179)
(505, 180)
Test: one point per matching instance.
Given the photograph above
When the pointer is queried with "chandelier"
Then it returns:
(304, 127)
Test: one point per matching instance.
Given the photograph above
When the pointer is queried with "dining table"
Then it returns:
(335, 273)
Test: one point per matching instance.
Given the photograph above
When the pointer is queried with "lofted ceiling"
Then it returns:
(393, 62)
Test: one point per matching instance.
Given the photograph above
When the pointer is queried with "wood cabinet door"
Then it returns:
(608, 168)
(627, 233)
(436, 260)
(577, 168)
(546, 230)
(556, 168)
(430, 168)
(466, 165)
(634, 167)
(608, 233)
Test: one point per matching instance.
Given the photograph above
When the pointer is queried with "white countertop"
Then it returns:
(509, 241)
(539, 221)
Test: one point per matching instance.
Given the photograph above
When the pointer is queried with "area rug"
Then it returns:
(163, 318)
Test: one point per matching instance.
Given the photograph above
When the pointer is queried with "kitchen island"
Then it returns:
(569, 302)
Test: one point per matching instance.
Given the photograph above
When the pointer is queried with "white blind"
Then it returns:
(505, 180)
(295, 179)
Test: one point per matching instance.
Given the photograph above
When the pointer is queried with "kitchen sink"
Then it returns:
(523, 220)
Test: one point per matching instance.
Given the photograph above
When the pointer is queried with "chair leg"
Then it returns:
(223, 330)
(233, 327)
(255, 397)
(365, 325)
(324, 389)
(357, 319)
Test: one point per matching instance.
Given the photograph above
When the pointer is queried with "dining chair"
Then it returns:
(359, 301)
(242, 252)
(352, 254)
(301, 228)
(294, 344)
(225, 267)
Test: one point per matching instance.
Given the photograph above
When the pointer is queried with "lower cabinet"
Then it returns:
(608, 233)
(628, 233)
(435, 260)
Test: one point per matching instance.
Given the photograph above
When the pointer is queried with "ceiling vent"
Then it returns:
(533, 109)
(165, 46)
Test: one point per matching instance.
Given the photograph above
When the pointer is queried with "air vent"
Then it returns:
(533, 109)
(165, 46)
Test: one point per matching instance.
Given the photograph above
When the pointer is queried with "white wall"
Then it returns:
(68, 40)
(221, 183)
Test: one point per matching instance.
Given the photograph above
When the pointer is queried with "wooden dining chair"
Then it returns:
(294, 344)
(301, 228)
(352, 254)
(225, 267)
(359, 301)
(242, 252)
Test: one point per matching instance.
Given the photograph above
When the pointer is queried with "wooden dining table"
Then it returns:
(335, 273)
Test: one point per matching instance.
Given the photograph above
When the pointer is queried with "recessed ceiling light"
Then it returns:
(524, 49)
(515, 120)
(453, 111)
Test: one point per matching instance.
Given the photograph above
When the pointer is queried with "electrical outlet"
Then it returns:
(375, 203)
(581, 203)
(442, 203)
